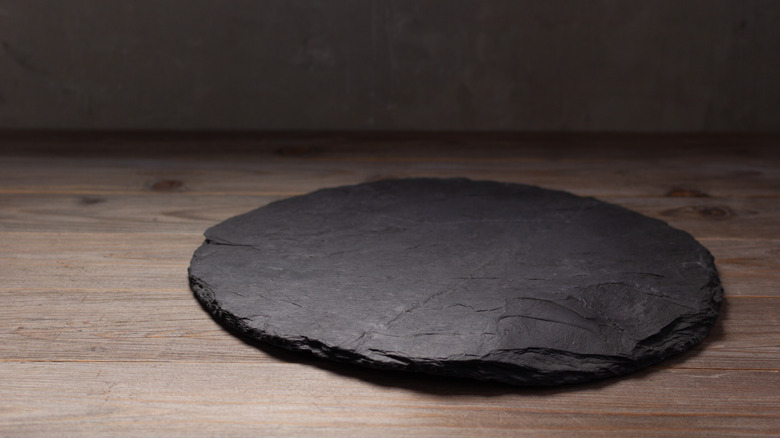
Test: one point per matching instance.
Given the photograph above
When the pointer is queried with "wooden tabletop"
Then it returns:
(100, 334)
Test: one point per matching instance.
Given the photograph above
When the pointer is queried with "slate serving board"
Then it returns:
(475, 279)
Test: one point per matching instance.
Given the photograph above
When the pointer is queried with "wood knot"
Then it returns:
(91, 200)
(683, 192)
(716, 211)
(167, 185)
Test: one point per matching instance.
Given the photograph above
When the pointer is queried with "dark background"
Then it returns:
(355, 65)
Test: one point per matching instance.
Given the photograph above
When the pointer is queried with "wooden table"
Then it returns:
(100, 334)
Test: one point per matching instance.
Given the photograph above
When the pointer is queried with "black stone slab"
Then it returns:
(475, 279)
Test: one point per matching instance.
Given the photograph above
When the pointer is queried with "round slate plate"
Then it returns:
(475, 279)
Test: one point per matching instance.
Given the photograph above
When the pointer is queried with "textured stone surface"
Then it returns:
(484, 280)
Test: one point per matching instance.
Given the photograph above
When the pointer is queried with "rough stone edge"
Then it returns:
(481, 369)
(487, 369)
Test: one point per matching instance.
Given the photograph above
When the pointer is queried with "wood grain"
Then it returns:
(168, 325)
(100, 335)
(626, 174)
(78, 259)
(283, 399)
(751, 218)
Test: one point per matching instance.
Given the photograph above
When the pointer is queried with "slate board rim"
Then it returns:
(477, 368)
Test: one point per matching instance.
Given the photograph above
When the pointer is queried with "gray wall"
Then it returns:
(599, 65)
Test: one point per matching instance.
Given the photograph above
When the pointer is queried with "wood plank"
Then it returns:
(99, 333)
(158, 261)
(751, 218)
(240, 399)
(178, 213)
(747, 267)
(169, 325)
(746, 218)
(269, 174)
